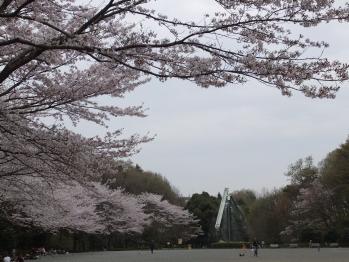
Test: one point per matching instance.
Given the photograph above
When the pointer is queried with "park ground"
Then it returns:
(209, 255)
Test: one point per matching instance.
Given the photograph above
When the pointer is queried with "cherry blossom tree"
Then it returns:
(164, 212)
(167, 217)
(57, 57)
(93, 209)
(314, 208)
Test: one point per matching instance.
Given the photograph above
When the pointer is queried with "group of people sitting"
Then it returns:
(13, 256)
(254, 247)
(18, 258)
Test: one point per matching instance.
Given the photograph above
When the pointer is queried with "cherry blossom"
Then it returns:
(58, 59)
(92, 208)
(314, 208)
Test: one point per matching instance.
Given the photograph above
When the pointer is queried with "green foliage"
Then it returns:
(310, 234)
(245, 199)
(205, 208)
(61, 241)
(335, 170)
(7, 236)
(268, 216)
(161, 234)
(302, 172)
(136, 181)
(331, 236)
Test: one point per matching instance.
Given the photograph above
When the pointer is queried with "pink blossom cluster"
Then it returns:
(313, 208)
(92, 208)
(59, 57)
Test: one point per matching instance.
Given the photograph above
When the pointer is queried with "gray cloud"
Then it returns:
(239, 136)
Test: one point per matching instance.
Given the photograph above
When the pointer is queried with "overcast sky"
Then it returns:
(241, 136)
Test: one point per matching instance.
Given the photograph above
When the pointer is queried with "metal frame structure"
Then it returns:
(221, 208)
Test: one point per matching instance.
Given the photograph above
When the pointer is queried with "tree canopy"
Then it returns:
(57, 57)
(205, 207)
(136, 181)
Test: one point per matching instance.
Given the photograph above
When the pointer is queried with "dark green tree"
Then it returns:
(205, 208)
(244, 198)
(136, 181)
(302, 172)
(269, 215)
(334, 171)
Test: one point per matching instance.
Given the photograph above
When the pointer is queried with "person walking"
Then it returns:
(255, 247)
(152, 246)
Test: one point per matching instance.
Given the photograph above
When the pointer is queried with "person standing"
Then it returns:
(152, 246)
(255, 246)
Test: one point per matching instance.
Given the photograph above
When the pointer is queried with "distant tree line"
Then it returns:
(59, 57)
(162, 210)
(313, 206)
(135, 180)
